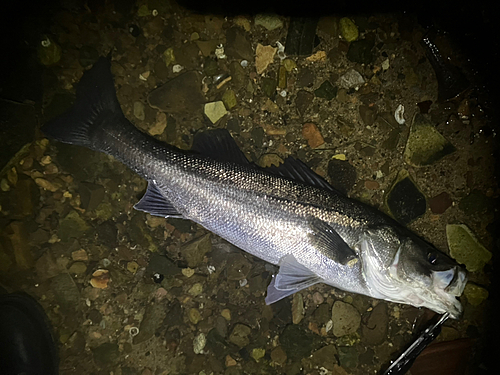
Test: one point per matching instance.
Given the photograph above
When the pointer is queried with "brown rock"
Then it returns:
(311, 133)
(440, 203)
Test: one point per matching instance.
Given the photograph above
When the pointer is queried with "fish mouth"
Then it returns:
(449, 285)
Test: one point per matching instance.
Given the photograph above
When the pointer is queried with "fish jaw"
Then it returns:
(385, 282)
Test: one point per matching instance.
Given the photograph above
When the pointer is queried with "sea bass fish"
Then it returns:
(285, 215)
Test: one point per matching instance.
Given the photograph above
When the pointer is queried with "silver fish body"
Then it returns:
(286, 216)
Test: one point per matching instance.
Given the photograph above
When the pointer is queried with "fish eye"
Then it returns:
(432, 258)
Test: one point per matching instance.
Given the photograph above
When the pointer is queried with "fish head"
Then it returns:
(406, 269)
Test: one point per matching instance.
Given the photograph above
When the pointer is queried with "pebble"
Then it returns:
(278, 355)
(78, 268)
(348, 29)
(465, 248)
(196, 289)
(226, 314)
(264, 55)
(240, 335)
(269, 21)
(194, 316)
(297, 308)
(100, 279)
(312, 134)
(372, 185)
(132, 267)
(318, 298)
(258, 353)
(230, 361)
(188, 272)
(139, 111)
(440, 203)
(199, 343)
(47, 185)
(215, 111)
(346, 319)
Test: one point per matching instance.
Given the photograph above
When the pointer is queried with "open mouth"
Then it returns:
(457, 284)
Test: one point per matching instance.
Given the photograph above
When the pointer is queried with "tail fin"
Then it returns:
(95, 101)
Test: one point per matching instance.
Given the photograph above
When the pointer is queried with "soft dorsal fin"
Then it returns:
(154, 203)
(219, 145)
(298, 171)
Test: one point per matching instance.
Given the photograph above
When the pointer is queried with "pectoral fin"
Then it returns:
(291, 278)
(329, 242)
(154, 203)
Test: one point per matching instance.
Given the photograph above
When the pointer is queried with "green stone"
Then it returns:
(348, 29)
(258, 353)
(475, 294)
(465, 248)
(240, 335)
(289, 65)
(143, 11)
(194, 316)
(326, 91)
(169, 56)
(72, 226)
(268, 86)
(425, 144)
(229, 99)
(282, 77)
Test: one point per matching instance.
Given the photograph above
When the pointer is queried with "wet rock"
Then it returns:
(162, 265)
(75, 344)
(348, 29)
(95, 316)
(296, 342)
(297, 308)
(238, 45)
(372, 185)
(221, 326)
(303, 101)
(323, 358)
(139, 111)
(360, 51)
(346, 319)
(268, 86)
(107, 233)
(152, 319)
(368, 114)
(342, 175)
(22, 199)
(194, 315)
(278, 355)
(375, 330)
(237, 266)
(351, 79)
(475, 203)
(195, 250)
(65, 291)
(215, 111)
(77, 268)
(348, 356)
(179, 95)
(305, 78)
(326, 91)
(240, 335)
(405, 201)
(46, 266)
(312, 134)
(258, 354)
(199, 343)
(301, 36)
(72, 226)
(229, 99)
(268, 21)
(475, 294)
(322, 314)
(425, 144)
(264, 55)
(16, 245)
(440, 203)
(100, 279)
(196, 289)
(465, 248)
(238, 75)
(91, 195)
(282, 77)
(207, 47)
(106, 354)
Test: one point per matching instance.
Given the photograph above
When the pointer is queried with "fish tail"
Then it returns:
(96, 108)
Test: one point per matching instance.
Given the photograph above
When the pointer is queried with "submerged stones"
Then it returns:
(465, 248)
(404, 200)
(425, 144)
